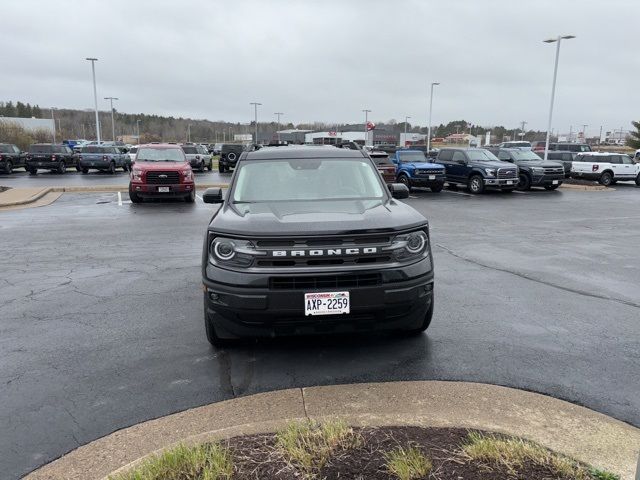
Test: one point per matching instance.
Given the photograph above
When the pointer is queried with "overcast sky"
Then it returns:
(327, 60)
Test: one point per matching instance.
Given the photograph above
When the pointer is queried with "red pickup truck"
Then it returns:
(161, 171)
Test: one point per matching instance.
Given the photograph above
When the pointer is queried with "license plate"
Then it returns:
(326, 303)
(163, 189)
(509, 182)
(555, 182)
(432, 177)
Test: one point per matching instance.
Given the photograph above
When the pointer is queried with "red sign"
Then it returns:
(333, 134)
(370, 126)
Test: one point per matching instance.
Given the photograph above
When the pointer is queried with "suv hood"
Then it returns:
(540, 163)
(424, 164)
(148, 166)
(315, 218)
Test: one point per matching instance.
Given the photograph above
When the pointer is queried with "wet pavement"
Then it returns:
(44, 178)
(101, 323)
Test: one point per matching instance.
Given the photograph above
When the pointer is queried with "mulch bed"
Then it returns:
(2, 189)
(255, 458)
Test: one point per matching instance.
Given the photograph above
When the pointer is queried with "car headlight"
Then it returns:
(537, 170)
(136, 175)
(409, 245)
(232, 252)
(490, 172)
(188, 174)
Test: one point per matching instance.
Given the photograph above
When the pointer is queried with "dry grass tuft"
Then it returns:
(408, 464)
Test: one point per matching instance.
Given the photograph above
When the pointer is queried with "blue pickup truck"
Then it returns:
(413, 169)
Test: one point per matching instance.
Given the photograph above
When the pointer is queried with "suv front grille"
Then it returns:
(325, 281)
(553, 170)
(507, 173)
(163, 178)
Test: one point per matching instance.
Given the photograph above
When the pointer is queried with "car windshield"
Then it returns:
(40, 149)
(412, 156)
(6, 149)
(519, 144)
(92, 150)
(190, 150)
(481, 155)
(160, 155)
(306, 180)
(526, 155)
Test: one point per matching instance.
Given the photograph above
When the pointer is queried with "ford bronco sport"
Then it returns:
(311, 240)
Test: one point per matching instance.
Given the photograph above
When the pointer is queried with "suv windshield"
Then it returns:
(189, 150)
(92, 150)
(481, 155)
(412, 157)
(525, 155)
(306, 180)
(6, 149)
(40, 149)
(149, 154)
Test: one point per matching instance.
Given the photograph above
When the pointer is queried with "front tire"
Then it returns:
(62, 168)
(32, 170)
(135, 198)
(201, 167)
(605, 179)
(404, 179)
(85, 171)
(190, 198)
(425, 323)
(8, 167)
(524, 182)
(476, 184)
(212, 335)
(210, 166)
(220, 168)
(638, 180)
(112, 168)
(551, 187)
(437, 188)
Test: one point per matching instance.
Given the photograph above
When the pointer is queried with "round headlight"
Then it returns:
(224, 250)
(416, 242)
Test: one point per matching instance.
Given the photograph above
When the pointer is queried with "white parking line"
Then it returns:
(199, 197)
(119, 199)
(518, 191)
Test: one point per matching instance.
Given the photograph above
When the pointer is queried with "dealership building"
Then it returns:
(354, 134)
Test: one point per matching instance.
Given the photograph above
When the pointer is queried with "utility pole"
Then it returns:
(113, 125)
(584, 128)
(54, 126)
(138, 130)
(429, 125)
(600, 137)
(570, 132)
(189, 133)
(95, 96)
(523, 123)
(406, 119)
(84, 135)
(366, 121)
(278, 115)
(255, 111)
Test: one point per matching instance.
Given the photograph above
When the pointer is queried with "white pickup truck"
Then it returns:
(606, 168)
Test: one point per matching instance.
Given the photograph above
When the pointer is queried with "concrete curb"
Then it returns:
(566, 428)
(591, 188)
(24, 196)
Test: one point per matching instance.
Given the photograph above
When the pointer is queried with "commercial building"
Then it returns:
(352, 133)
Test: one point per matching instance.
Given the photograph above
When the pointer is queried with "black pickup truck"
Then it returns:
(11, 157)
(50, 156)
(477, 169)
(310, 240)
(532, 170)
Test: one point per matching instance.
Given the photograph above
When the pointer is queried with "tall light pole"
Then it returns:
(95, 95)
(189, 133)
(113, 124)
(429, 125)
(278, 115)
(523, 123)
(54, 126)
(557, 40)
(255, 109)
(584, 129)
(366, 121)
(138, 130)
(406, 119)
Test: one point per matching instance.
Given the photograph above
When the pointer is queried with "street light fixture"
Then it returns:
(278, 115)
(557, 40)
(95, 95)
(406, 119)
(366, 121)
(429, 126)
(255, 108)
(113, 125)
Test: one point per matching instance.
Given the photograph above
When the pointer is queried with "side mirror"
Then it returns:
(398, 190)
(213, 195)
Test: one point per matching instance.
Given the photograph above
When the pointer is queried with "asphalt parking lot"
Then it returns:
(101, 321)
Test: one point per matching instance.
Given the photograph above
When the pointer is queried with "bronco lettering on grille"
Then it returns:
(321, 253)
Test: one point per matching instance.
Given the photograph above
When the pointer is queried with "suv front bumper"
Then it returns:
(501, 182)
(427, 181)
(547, 180)
(399, 302)
(152, 191)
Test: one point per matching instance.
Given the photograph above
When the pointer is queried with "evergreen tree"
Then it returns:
(633, 140)
(9, 109)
